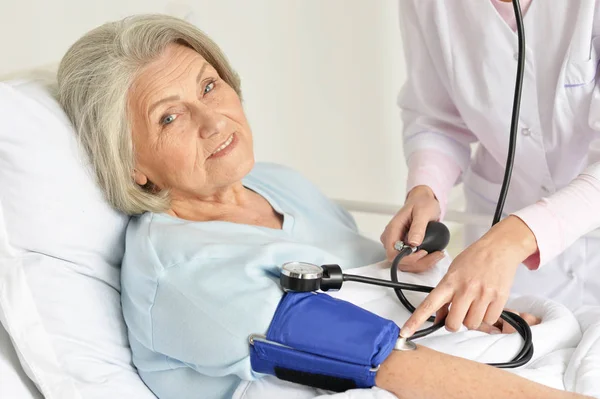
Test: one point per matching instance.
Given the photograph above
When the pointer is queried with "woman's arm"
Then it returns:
(203, 313)
(427, 374)
(205, 310)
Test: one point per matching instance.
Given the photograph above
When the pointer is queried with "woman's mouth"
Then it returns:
(226, 147)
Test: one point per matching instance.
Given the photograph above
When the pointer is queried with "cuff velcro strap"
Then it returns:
(320, 341)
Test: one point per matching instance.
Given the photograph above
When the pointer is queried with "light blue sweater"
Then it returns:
(192, 292)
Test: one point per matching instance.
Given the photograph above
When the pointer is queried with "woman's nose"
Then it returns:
(210, 123)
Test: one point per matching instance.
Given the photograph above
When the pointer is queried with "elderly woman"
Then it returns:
(158, 108)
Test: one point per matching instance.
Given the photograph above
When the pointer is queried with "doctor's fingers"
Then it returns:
(459, 307)
(506, 328)
(476, 313)
(440, 296)
(441, 314)
(421, 216)
(395, 231)
(420, 261)
(494, 311)
(532, 320)
(486, 328)
(407, 264)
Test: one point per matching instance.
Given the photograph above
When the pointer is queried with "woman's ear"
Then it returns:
(140, 178)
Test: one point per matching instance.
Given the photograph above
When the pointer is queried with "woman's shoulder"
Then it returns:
(296, 193)
(140, 250)
(270, 171)
(156, 242)
(283, 180)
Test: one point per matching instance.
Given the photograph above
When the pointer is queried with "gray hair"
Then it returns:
(94, 78)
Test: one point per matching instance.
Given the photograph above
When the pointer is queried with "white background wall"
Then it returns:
(320, 78)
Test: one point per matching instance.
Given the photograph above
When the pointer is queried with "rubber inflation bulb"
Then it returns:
(437, 237)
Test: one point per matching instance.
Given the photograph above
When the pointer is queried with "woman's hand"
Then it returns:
(478, 281)
(409, 226)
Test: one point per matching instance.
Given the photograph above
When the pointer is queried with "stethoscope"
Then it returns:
(308, 277)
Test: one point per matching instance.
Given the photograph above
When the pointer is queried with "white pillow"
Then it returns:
(59, 285)
(15, 383)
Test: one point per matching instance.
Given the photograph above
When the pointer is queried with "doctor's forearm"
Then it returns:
(429, 374)
(560, 219)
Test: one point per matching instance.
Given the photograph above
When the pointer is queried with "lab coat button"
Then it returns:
(516, 56)
(526, 131)
(572, 275)
(545, 189)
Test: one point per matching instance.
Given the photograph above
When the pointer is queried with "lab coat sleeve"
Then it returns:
(560, 219)
(430, 117)
(205, 310)
(439, 175)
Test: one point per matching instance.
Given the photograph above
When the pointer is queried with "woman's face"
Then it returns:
(190, 134)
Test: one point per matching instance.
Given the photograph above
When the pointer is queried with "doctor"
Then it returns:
(461, 58)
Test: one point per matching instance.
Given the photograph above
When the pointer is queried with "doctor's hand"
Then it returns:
(478, 281)
(408, 225)
(502, 326)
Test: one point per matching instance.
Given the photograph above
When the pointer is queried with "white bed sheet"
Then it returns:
(14, 382)
(567, 345)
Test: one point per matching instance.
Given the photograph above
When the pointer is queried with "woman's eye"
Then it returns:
(168, 119)
(209, 87)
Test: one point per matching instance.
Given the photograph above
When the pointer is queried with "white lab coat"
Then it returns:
(461, 59)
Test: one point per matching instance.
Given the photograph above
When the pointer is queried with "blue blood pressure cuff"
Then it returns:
(323, 342)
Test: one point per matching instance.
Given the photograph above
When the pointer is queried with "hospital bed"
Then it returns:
(62, 332)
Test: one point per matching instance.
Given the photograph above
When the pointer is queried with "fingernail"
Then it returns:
(494, 332)
(405, 333)
(414, 240)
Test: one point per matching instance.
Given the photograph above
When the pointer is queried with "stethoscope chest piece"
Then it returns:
(403, 345)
